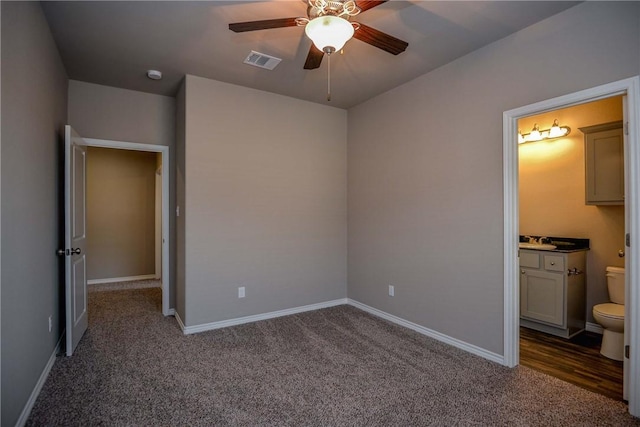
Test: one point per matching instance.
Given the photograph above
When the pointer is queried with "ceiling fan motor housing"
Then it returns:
(342, 8)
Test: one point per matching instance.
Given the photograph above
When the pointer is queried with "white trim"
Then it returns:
(257, 317)
(26, 411)
(121, 279)
(511, 262)
(478, 351)
(630, 87)
(164, 150)
(593, 327)
(172, 312)
(179, 320)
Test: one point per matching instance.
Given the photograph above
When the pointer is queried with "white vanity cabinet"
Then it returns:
(552, 291)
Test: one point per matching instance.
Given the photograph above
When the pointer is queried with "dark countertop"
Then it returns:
(563, 244)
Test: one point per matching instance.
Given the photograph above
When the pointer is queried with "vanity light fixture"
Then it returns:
(556, 131)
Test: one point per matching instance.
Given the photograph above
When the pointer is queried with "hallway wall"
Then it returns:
(34, 112)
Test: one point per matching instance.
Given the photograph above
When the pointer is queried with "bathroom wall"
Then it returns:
(552, 191)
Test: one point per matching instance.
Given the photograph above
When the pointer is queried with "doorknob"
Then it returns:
(73, 251)
(621, 253)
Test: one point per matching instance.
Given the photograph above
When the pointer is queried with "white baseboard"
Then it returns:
(121, 279)
(26, 411)
(171, 312)
(179, 320)
(593, 327)
(255, 318)
(478, 351)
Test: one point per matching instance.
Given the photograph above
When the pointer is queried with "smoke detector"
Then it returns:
(154, 74)
(262, 60)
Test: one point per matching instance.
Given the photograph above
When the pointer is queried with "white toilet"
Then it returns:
(611, 315)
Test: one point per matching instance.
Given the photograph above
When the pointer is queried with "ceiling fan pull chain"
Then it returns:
(329, 77)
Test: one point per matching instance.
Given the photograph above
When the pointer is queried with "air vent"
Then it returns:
(261, 60)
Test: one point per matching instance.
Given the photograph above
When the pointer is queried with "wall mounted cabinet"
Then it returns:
(604, 164)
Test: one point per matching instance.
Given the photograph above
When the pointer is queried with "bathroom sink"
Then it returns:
(538, 246)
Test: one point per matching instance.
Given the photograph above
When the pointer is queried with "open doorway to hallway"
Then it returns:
(122, 216)
(155, 201)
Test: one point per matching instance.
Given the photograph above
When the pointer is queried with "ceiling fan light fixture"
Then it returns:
(329, 33)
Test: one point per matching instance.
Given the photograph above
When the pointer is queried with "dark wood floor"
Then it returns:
(577, 360)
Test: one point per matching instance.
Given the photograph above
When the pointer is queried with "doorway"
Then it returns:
(554, 203)
(163, 191)
(629, 89)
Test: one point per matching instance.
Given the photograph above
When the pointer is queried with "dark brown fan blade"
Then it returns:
(366, 5)
(314, 58)
(380, 40)
(241, 27)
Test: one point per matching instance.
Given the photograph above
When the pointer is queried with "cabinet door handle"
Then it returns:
(552, 263)
(522, 272)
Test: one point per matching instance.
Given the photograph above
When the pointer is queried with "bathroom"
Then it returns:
(552, 202)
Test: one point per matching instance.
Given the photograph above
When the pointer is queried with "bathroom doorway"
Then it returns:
(629, 89)
(553, 201)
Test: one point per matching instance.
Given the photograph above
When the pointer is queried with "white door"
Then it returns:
(75, 236)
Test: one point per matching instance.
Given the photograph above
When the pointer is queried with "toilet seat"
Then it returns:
(610, 310)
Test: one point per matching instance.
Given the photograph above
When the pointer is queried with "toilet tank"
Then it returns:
(615, 284)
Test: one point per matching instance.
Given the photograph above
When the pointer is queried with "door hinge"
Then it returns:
(627, 240)
(626, 351)
(626, 128)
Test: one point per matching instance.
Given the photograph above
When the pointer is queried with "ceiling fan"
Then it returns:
(326, 20)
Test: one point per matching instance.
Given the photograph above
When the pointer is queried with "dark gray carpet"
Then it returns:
(333, 367)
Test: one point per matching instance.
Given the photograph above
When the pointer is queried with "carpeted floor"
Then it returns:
(332, 367)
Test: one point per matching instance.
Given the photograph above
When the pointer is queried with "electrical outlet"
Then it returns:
(392, 290)
(50, 324)
(241, 292)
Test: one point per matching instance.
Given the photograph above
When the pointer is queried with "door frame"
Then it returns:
(164, 152)
(631, 88)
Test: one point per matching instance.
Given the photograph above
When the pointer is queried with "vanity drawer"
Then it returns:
(529, 259)
(553, 263)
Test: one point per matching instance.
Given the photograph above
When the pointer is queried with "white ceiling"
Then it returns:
(114, 43)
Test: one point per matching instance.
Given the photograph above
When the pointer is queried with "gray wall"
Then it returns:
(180, 198)
(34, 106)
(425, 167)
(120, 213)
(104, 112)
(265, 207)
